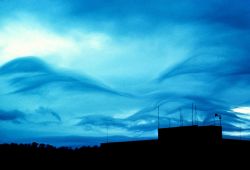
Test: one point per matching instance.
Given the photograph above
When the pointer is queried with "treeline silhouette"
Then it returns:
(126, 153)
(46, 152)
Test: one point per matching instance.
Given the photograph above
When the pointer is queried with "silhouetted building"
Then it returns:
(168, 137)
(190, 135)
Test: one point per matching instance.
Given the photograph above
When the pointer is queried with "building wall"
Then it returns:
(190, 135)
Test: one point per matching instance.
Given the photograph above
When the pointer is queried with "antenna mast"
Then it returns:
(240, 133)
(181, 119)
(192, 114)
(158, 115)
(195, 116)
(107, 133)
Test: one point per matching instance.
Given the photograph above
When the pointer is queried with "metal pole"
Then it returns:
(192, 114)
(240, 133)
(158, 116)
(107, 134)
(181, 121)
(220, 119)
(195, 116)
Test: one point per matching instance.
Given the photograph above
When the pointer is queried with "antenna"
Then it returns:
(195, 111)
(220, 120)
(240, 133)
(214, 121)
(181, 119)
(192, 114)
(158, 116)
(107, 133)
(219, 116)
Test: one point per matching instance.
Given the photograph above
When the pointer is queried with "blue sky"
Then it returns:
(73, 69)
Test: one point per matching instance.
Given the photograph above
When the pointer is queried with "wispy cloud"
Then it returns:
(42, 110)
(143, 124)
(12, 115)
(38, 74)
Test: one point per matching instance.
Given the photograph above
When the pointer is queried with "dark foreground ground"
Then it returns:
(126, 154)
